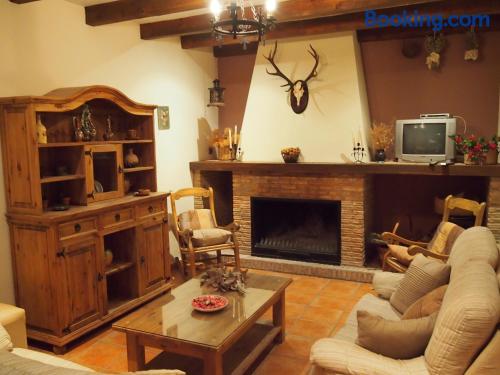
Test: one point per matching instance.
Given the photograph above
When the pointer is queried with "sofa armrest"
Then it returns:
(386, 283)
(14, 320)
(341, 357)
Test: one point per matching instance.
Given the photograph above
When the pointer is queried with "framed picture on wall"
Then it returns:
(163, 113)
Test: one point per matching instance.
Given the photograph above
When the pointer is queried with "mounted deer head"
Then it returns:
(299, 92)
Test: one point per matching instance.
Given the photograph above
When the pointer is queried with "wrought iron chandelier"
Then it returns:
(245, 19)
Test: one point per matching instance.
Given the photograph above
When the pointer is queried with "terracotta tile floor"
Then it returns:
(315, 308)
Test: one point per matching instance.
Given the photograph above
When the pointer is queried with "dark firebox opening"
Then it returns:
(296, 229)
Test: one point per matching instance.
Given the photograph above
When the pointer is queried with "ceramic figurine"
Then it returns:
(88, 128)
(131, 159)
(41, 130)
(108, 134)
(77, 130)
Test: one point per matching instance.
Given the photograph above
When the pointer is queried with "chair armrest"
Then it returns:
(414, 250)
(233, 227)
(392, 238)
(386, 283)
(342, 357)
(14, 320)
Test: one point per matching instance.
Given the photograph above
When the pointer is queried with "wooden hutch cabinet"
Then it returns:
(62, 278)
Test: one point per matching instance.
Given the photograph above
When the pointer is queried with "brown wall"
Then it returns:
(399, 87)
(235, 74)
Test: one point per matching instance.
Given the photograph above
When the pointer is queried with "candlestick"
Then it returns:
(230, 140)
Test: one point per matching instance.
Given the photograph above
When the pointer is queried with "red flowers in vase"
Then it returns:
(474, 148)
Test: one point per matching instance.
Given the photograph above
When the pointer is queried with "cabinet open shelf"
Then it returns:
(138, 169)
(70, 177)
(118, 267)
(80, 144)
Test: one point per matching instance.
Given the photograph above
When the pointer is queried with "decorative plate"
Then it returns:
(98, 187)
(209, 303)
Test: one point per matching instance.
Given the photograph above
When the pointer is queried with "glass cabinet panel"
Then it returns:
(104, 168)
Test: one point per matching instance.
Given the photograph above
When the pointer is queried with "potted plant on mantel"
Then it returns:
(477, 150)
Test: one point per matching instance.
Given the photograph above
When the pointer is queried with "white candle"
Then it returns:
(230, 140)
(235, 133)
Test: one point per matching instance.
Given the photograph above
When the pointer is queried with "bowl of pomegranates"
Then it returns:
(209, 303)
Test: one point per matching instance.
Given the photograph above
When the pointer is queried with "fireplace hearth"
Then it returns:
(296, 229)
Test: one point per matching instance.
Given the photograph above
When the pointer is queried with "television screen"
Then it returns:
(424, 139)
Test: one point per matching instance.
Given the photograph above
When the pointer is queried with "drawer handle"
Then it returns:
(117, 217)
(78, 228)
(150, 209)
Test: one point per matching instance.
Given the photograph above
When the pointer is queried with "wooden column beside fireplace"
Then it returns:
(365, 192)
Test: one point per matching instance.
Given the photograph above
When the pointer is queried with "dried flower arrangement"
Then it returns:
(382, 135)
(434, 45)
(471, 46)
(227, 145)
(223, 280)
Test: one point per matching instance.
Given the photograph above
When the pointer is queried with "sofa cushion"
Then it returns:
(426, 305)
(488, 362)
(467, 318)
(423, 275)
(13, 364)
(5, 342)
(386, 283)
(200, 218)
(349, 331)
(444, 238)
(210, 237)
(394, 339)
(476, 243)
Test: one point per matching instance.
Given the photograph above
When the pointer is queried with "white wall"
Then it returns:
(337, 104)
(46, 45)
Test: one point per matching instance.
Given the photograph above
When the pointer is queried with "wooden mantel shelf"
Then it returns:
(346, 168)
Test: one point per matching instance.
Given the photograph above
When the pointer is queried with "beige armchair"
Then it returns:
(401, 251)
(14, 321)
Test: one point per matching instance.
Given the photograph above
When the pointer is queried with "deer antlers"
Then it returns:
(279, 73)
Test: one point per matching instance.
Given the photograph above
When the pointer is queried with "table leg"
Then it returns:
(279, 317)
(135, 353)
(212, 364)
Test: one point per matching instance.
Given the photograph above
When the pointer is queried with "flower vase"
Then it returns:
(492, 157)
(470, 160)
(380, 155)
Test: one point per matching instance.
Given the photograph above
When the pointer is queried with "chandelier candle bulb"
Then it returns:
(270, 7)
(215, 8)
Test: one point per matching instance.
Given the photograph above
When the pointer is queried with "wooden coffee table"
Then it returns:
(170, 323)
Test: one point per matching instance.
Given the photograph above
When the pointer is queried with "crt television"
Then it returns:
(425, 140)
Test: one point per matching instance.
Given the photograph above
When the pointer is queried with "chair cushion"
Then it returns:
(423, 275)
(196, 219)
(444, 238)
(488, 362)
(392, 338)
(210, 237)
(5, 342)
(427, 305)
(401, 254)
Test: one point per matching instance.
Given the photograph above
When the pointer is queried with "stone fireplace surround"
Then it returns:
(351, 184)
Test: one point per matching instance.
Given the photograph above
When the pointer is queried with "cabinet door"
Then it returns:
(104, 172)
(82, 277)
(152, 250)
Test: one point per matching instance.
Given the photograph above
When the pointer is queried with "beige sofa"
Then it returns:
(22, 360)
(465, 339)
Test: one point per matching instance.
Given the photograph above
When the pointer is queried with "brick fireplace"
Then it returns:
(351, 191)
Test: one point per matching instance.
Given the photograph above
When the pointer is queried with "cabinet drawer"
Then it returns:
(150, 208)
(77, 227)
(117, 217)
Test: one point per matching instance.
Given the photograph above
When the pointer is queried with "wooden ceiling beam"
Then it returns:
(291, 10)
(126, 10)
(348, 22)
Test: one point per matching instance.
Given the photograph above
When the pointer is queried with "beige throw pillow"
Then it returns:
(423, 275)
(5, 341)
(427, 305)
(396, 339)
